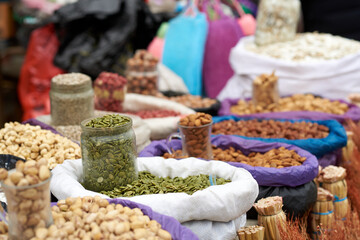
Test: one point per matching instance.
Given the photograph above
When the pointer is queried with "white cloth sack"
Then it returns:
(331, 79)
(141, 129)
(221, 203)
(160, 127)
(170, 81)
(208, 230)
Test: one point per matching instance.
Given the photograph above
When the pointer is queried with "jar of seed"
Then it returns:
(108, 148)
(71, 99)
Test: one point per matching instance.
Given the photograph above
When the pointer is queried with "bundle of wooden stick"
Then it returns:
(322, 214)
(332, 178)
(271, 216)
(251, 233)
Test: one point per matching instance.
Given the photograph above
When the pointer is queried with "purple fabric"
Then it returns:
(35, 122)
(170, 224)
(353, 113)
(223, 35)
(288, 176)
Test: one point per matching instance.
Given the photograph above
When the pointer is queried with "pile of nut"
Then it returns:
(297, 102)
(30, 202)
(308, 47)
(158, 113)
(72, 132)
(271, 129)
(141, 73)
(33, 143)
(275, 158)
(95, 218)
(195, 128)
(192, 101)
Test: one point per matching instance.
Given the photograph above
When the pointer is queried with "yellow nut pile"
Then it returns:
(95, 218)
(29, 203)
(33, 143)
(297, 102)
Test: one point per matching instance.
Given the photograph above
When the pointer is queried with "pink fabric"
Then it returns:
(222, 36)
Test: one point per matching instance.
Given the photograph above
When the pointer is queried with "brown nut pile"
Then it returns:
(271, 129)
(297, 102)
(196, 129)
(192, 101)
(143, 61)
(265, 90)
(276, 158)
(94, 218)
(29, 204)
(33, 143)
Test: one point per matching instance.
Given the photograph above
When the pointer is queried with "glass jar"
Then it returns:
(71, 99)
(276, 21)
(108, 156)
(110, 89)
(265, 91)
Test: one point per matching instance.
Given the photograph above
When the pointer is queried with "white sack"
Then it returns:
(160, 127)
(208, 230)
(331, 79)
(170, 81)
(221, 203)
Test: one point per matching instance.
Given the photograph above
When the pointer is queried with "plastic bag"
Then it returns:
(184, 48)
(297, 200)
(215, 203)
(353, 113)
(223, 34)
(37, 71)
(318, 146)
(290, 176)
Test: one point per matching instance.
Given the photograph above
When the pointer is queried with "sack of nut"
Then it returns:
(294, 166)
(310, 63)
(160, 127)
(206, 208)
(317, 137)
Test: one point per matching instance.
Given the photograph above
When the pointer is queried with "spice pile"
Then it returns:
(275, 158)
(271, 129)
(33, 143)
(151, 184)
(297, 102)
(144, 114)
(308, 47)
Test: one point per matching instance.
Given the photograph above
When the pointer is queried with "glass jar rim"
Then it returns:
(28, 186)
(128, 124)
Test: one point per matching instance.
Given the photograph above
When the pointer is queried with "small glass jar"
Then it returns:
(108, 156)
(265, 91)
(276, 21)
(110, 90)
(71, 99)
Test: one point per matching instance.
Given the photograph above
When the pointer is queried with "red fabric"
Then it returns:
(37, 71)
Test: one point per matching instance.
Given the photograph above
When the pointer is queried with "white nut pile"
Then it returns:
(94, 218)
(29, 203)
(308, 47)
(33, 143)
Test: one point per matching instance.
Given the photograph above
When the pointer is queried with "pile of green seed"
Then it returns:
(151, 184)
(111, 120)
